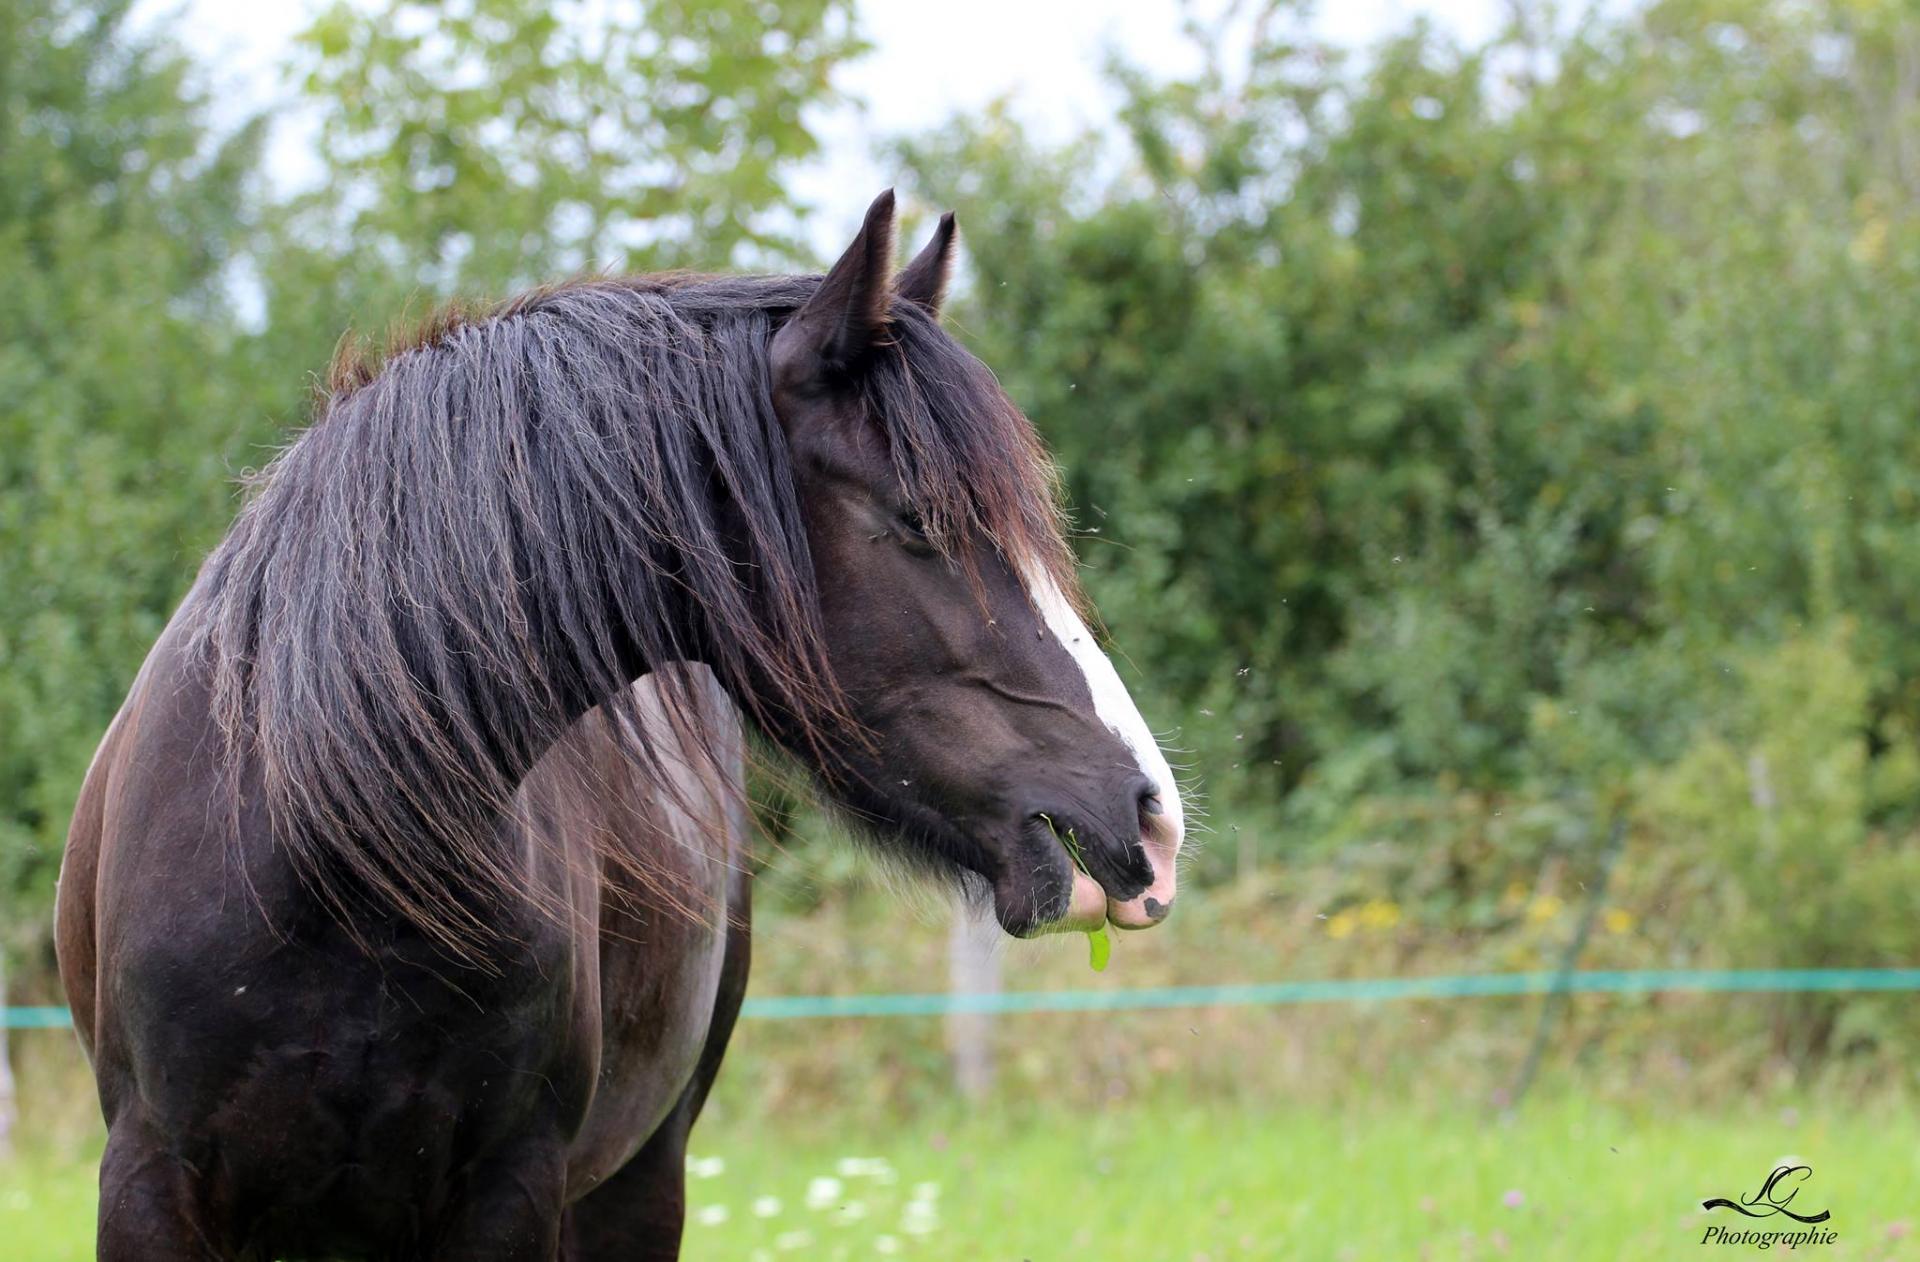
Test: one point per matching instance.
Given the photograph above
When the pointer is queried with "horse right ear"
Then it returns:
(924, 281)
(833, 330)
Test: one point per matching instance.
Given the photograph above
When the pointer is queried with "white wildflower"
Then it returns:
(823, 1192)
(920, 1218)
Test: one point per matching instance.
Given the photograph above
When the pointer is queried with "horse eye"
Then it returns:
(911, 522)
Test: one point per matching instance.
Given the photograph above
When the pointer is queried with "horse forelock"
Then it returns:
(489, 527)
(968, 457)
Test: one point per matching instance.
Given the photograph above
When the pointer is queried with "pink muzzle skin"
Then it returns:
(1161, 841)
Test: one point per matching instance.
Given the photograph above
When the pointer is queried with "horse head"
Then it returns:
(987, 730)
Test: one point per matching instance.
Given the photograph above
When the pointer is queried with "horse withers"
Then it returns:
(398, 921)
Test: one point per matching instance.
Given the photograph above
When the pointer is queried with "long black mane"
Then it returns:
(478, 541)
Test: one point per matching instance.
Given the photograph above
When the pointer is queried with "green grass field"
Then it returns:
(1185, 1182)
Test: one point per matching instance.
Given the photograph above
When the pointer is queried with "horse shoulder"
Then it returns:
(671, 867)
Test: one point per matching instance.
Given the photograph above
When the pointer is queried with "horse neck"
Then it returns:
(581, 687)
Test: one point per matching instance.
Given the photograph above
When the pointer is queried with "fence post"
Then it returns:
(973, 967)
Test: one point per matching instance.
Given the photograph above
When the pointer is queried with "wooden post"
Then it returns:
(973, 967)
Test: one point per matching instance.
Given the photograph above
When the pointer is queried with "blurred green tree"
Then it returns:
(1485, 414)
(121, 211)
(1459, 436)
(487, 145)
(467, 148)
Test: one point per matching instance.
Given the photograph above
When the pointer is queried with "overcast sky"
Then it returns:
(929, 62)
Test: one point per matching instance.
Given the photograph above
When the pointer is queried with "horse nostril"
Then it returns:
(1150, 803)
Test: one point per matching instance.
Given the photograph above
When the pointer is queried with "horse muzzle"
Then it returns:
(1128, 883)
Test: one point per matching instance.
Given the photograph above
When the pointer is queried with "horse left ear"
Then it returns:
(925, 280)
(837, 325)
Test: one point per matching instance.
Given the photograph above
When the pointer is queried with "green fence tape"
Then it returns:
(1358, 990)
(1254, 994)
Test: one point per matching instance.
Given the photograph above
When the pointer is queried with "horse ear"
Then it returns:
(925, 279)
(840, 321)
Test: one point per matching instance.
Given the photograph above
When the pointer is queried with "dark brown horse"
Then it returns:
(399, 921)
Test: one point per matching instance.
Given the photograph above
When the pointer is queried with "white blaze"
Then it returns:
(1111, 701)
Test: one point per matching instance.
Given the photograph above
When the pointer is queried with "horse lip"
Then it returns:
(1087, 900)
(1086, 909)
(1080, 841)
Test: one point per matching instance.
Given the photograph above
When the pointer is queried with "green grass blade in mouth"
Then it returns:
(1099, 945)
(1070, 842)
(1099, 948)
